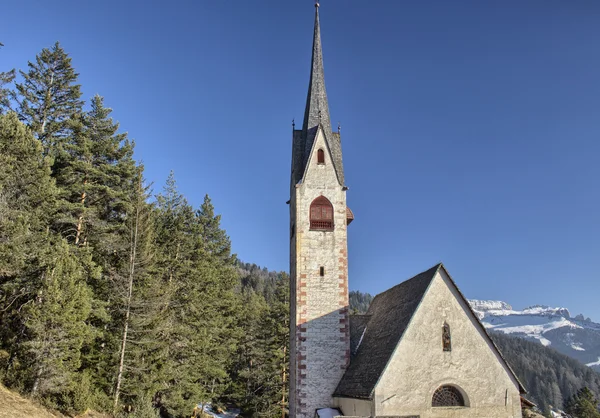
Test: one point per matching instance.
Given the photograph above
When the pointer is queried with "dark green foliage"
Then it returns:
(260, 280)
(49, 96)
(549, 376)
(27, 202)
(45, 299)
(95, 176)
(204, 311)
(5, 94)
(582, 404)
(56, 320)
(359, 302)
(112, 302)
(260, 370)
(140, 313)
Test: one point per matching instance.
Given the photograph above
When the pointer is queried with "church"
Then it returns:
(419, 351)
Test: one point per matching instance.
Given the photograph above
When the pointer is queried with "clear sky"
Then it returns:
(470, 129)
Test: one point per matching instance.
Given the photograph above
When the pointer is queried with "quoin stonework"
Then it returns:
(419, 352)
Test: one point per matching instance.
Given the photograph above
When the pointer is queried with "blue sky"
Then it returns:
(470, 129)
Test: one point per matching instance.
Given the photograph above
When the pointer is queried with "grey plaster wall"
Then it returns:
(419, 365)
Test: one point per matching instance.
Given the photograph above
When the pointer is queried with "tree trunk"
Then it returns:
(80, 221)
(132, 260)
(283, 381)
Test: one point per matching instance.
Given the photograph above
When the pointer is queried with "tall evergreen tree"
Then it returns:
(27, 204)
(260, 372)
(6, 77)
(175, 220)
(56, 321)
(204, 311)
(49, 96)
(248, 371)
(583, 404)
(139, 319)
(95, 176)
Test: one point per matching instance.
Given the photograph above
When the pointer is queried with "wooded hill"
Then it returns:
(551, 378)
(113, 297)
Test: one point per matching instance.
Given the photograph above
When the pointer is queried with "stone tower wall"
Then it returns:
(320, 348)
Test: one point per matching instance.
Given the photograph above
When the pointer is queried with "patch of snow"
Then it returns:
(531, 326)
(546, 310)
(328, 413)
(229, 413)
(577, 346)
(595, 363)
(487, 305)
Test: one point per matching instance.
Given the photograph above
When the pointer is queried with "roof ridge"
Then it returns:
(436, 267)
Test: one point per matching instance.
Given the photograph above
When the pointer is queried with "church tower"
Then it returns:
(319, 334)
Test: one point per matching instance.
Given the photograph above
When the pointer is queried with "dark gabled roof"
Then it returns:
(377, 334)
(390, 313)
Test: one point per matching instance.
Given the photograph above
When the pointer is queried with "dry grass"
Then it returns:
(13, 405)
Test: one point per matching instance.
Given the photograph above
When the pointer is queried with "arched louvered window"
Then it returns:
(320, 156)
(447, 396)
(321, 214)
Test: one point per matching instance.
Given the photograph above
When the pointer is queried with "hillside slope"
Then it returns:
(549, 376)
(13, 405)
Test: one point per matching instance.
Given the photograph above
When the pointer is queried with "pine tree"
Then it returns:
(279, 341)
(204, 311)
(175, 221)
(27, 194)
(95, 177)
(248, 370)
(56, 321)
(260, 373)
(27, 204)
(6, 77)
(140, 320)
(583, 404)
(49, 97)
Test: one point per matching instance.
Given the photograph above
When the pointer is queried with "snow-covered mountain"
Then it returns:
(577, 337)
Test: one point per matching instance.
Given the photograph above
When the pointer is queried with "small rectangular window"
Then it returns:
(322, 271)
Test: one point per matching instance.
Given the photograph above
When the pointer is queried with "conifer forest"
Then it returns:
(115, 297)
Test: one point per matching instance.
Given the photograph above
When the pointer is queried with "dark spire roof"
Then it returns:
(317, 114)
(317, 108)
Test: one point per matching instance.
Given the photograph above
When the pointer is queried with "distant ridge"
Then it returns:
(577, 337)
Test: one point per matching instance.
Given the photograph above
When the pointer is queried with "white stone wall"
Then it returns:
(419, 365)
(321, 348)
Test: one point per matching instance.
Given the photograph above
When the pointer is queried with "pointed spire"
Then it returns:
(317, 108)
(315, 114)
